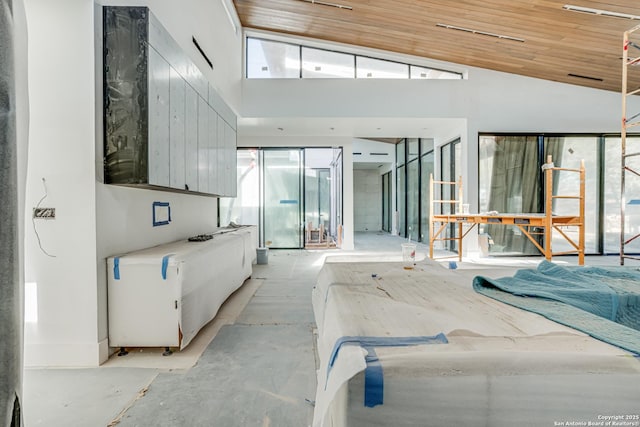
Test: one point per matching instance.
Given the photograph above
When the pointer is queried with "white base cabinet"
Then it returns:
(162, 296)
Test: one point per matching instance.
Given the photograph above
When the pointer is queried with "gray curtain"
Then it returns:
(514, 189)
(10, 229)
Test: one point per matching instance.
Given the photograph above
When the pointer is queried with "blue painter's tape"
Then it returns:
(385, 342)
(373, 374)
(116, 268)
(288, 202)
(156, 209)
(373, 380)
(165, 264)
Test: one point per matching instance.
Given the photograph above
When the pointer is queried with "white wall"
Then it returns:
(94, 220)
(366, 147)
(367, 200)
(62, 153)
(487, 102)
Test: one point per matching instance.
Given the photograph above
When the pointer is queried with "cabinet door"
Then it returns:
(177, 100)
(230, 160)
(203, 146)
(191, 120)
(221, 163)
(159, 77)
(213, 152)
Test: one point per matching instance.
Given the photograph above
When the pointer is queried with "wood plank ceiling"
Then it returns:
(558, 45)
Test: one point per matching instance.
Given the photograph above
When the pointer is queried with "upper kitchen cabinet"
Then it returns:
(162, 117)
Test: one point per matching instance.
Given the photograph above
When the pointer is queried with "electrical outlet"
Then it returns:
(44, 213)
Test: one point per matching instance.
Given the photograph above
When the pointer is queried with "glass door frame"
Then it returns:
(386, 210)
(454, 174)
(336, 200)
(301, 208)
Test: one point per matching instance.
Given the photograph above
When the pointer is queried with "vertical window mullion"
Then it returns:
(419, 160)
(601, 199)
(355, 67)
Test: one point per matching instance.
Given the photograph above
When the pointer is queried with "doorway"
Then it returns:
(282, 200)
(294, 195)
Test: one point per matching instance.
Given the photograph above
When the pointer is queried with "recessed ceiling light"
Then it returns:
(325, 3)
(600, 12)
(480, 32)
(598, 79)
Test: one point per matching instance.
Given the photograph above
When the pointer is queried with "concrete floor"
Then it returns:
(258, 371)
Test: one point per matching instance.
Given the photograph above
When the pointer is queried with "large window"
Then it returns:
(401, 189)
(568, 152)
(270, 59)
(413, 189)
(611, 197)
(414, 158)
(426, 170)
(401, 201)
(319, 63)
(368, 68)
(511, 181)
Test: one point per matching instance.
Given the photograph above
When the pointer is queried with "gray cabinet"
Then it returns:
(177, 132)
(203, 146)
(162, 118)
(159, 119)
(191, 139)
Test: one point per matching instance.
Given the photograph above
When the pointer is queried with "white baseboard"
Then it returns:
(66, 355)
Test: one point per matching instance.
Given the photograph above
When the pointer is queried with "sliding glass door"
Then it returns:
(282, 169)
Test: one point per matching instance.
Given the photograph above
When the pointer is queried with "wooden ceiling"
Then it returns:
(558, 45)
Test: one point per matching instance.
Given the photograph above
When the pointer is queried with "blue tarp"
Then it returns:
(602, 302)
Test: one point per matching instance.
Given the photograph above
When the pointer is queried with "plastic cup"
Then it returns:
(408, 255)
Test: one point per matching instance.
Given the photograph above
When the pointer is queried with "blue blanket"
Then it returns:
(602, 302)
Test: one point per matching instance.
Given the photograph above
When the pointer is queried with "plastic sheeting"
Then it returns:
(162, 296)
(13, 142)
(491, 363)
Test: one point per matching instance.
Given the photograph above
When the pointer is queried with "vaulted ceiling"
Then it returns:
(539, 38)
